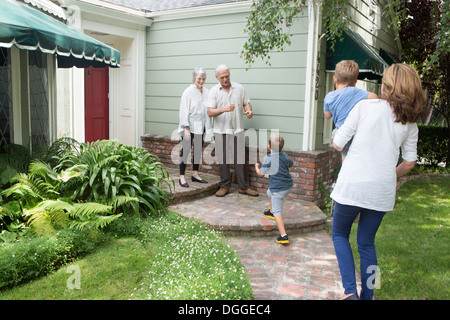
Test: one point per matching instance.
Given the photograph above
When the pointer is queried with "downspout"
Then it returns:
(311, 71)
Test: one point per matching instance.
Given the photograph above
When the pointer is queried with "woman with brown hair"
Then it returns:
(367, 181)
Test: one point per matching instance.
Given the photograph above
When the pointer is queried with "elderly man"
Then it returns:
(227, 104)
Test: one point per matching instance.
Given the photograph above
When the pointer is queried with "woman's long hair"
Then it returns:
(401, 87)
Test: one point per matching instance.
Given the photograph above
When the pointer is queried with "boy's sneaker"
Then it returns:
(283, 239)
(268, 214)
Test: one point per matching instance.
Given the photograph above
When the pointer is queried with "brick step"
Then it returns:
(196, 190)
(241, 215)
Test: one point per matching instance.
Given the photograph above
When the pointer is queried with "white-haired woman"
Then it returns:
(193, 122)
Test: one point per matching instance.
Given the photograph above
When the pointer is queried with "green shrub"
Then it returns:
(432, 146)
(91, 185)
(111, 170)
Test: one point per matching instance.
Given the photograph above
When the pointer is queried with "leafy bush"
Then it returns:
(433, 144)
(90, 185)
(110, 170)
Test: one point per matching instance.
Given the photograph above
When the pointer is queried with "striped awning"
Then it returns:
(30, 29)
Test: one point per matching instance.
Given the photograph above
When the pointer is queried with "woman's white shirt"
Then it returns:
(368, 178)
(193, 110)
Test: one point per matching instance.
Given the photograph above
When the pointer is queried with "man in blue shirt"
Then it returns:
(277, 165)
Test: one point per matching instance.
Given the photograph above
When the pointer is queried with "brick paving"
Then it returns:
(306, 269)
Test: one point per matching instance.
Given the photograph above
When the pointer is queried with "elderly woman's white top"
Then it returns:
(368, 178)
(193, 110)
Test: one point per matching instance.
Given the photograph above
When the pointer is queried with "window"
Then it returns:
(27, 91)
(6, 112)
(39, 102)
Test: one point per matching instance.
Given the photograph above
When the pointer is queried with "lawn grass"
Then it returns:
(413, 243)
(160, 257)
(107, 274)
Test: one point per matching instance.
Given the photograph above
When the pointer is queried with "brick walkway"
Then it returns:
(305, 269)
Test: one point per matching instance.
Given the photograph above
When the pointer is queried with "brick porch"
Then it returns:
(312, 172)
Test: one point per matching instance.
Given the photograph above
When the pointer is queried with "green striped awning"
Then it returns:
(30, 29)
(353, 47)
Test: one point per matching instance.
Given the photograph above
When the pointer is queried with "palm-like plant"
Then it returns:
(111, 170)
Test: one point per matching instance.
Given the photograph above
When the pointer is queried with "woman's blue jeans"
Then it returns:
(369, 221)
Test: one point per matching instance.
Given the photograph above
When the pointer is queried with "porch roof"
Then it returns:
(30, 29)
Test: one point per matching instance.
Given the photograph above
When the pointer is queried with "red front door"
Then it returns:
(96, 104)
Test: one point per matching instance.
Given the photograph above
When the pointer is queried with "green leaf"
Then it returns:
(94, 173)
(66, 175)
(107, 182)
(89, 209)
(135, 186)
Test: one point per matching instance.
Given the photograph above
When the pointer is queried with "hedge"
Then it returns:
(32, 257)
(432, 146)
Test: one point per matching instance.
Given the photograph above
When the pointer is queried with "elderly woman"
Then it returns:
(367, 181)
(193, 122)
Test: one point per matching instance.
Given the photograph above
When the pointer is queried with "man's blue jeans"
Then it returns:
(369, 221)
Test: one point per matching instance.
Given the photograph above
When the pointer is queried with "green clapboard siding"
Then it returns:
(277, 92)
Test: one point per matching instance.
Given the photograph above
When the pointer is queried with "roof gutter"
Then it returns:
(201, 11)
(110, 10)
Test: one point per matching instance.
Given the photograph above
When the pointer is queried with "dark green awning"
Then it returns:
(30, 29)
(388, 57)
(354, 47)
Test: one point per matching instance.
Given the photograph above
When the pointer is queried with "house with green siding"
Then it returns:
(287, 95)
(174, 37)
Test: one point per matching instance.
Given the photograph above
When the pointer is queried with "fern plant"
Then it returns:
(46, 209)
(50, 215)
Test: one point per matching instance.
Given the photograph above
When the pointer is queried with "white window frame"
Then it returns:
(21, 96)
(328, 123)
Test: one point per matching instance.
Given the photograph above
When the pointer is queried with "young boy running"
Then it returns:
(277, 165)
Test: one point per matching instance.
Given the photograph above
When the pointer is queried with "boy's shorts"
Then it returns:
(346, 147)
(277, 200)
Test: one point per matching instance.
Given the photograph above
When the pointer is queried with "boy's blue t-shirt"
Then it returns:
(277, 165)
(341, 102)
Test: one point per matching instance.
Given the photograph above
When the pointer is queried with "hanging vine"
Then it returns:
(268, 25)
